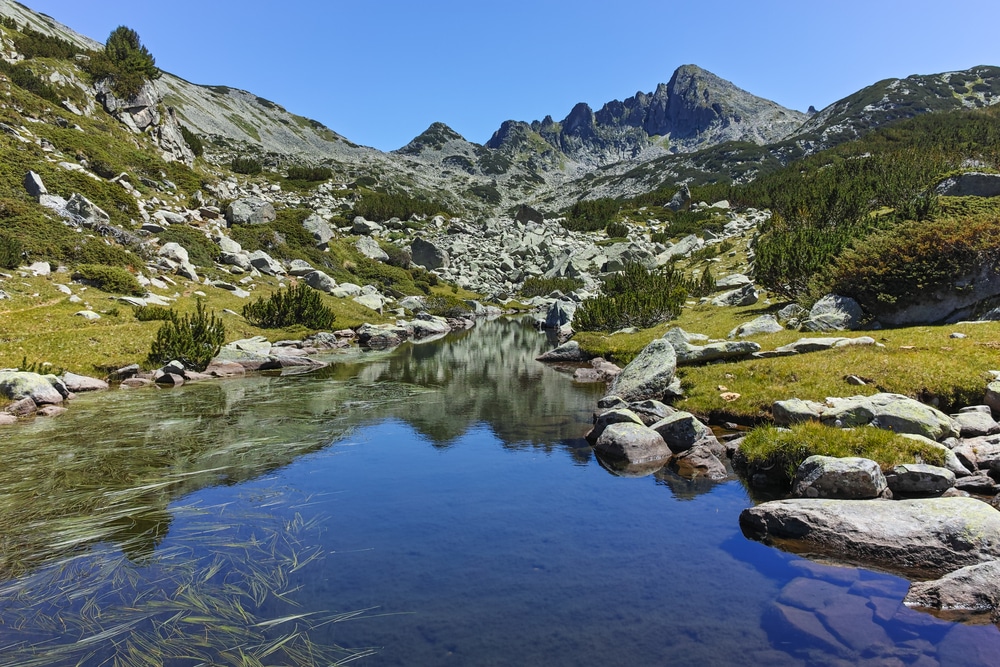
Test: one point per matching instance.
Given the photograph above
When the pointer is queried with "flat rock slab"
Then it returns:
(968, 594)
(927, 537)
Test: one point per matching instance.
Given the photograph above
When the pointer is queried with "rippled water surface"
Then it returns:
(435, 505)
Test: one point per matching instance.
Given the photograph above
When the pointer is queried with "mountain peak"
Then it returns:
(433, 138)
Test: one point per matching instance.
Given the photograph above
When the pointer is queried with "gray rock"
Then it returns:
(321, 281)
(614, 415)
(970, 184)
(381, 337)
(319, 228)
(681, 431)
(16, 385)
(834, 313)
(174, 252)
(680, 198)
(813, 344)
(992, 397)
(299, 267)
(971, 593)
(651, 411)
(34, 185)
(88, 315)
(650, 373)
(569, 351)
(764, 324)
(633, 443)
(365, 227)
(908, 537)
(435, 326)
(919, 479)
(90, 214)
(229, 246)
(560, 314)
(372, 301)
(733, 281)
(346, 290)
(370, 248)
(792, 311)
(688, 354)
(428, 255)
(847, 478)
(893, 412)
(250, 211)
(794, 410)
(699, 462)
(743, 296)
(263, 262)
(974, 424)
(81, 383)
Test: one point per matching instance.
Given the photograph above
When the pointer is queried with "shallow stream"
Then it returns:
(430, 506)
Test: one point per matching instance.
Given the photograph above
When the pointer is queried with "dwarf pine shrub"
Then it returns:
(192, 339)
(297, 305)
(246, 165)
(635, 297)
(535, 286)
(10, 251)
(112, 279)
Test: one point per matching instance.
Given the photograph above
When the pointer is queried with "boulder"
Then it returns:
(560, 314)
(320, 281)
(794, 410)
(34, 185)
(16, 385)
(650, 411)
(300, 268)
(264, 263)
(919, 479)
(743, 296)
(732, 281)
(616, 415)
(428, 255)
(699, 462)
(893, 412)
(319, 228)
(87, 212)
(364, 227)
(79, 384)
(829, 477)
(569, 351)
(346, 290)
(381, 337)
(976, 423)
(633, 443)
(650, 373)
(971, 593)
(688, 354)
(681, 431)
(370, 248)
(908, 537)
(600, 370)
(970, 184)
(250, 211)
(834, 313)
(764, 324)
(175, 252)
(371, 301)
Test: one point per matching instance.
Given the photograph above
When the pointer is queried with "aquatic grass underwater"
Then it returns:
(218, 590)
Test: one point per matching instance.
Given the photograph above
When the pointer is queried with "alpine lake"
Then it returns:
(432, 505)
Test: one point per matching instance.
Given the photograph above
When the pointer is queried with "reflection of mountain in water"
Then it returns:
(488, 375)
(109, 468)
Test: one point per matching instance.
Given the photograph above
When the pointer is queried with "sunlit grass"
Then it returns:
(768, 447)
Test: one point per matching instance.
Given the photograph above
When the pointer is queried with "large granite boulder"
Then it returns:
(266, 264)
(893, 412)
(970, 593)
(17, 385)
(926, 537)
(320, 281)
(765, 324)
(370, 248)
(830, 477)
(649, 375)
(834, 313)
(320, 229)
(681, 431)
(428, 255)
(919, 480)
(742, 296)
(568, 351)
(79, 384)
(971, 184)
(699, 462)
(250, 211)
(633, 443)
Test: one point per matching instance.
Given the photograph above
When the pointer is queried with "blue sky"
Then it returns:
(380, 72)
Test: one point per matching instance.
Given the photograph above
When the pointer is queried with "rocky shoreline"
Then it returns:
(937, 526)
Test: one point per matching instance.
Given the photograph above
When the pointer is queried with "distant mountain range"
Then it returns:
(693, 128)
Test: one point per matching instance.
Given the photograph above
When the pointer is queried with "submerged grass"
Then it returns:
(220, 591)
(768, 447)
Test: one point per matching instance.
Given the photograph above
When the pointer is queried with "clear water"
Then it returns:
(431, 506)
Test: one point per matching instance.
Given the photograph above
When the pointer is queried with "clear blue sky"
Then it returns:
(380, 72)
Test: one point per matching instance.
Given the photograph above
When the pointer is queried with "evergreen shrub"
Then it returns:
(299, 304)
(192, 339)
(635, 297)
(112, 279)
